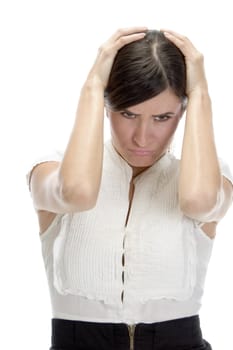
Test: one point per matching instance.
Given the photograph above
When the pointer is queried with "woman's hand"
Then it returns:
(107, 52)
(196, 79)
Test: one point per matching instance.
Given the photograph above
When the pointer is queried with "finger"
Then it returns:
(124, 40)
(128, 31)
(174, 38)
(182, 42)
(173, 33)
(180, 38)
(177, 41)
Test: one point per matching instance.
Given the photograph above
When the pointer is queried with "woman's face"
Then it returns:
(141, 134)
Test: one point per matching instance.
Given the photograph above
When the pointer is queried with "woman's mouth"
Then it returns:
(140, 152)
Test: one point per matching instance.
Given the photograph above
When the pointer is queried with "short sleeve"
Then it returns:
(55, 156)
(225, 170)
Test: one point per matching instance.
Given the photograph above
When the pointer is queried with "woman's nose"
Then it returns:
(141, 135)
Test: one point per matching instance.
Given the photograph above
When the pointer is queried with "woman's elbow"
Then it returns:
(79, 197)
(200, 205)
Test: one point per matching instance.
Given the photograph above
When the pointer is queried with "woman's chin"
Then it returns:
(140, 163)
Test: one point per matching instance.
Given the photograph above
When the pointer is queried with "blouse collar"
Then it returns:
(159, 166)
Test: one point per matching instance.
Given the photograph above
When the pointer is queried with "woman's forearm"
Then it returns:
(200, 178)
(81, 167)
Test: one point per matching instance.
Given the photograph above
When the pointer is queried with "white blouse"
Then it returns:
(153, 269)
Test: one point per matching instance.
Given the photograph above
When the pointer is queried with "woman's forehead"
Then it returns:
(165, 102)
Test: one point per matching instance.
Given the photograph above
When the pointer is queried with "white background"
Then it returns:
(47, 48)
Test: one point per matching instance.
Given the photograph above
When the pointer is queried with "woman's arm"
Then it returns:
(204, 194)
(73, 184)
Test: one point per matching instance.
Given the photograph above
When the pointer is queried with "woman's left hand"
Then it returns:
(196, 79)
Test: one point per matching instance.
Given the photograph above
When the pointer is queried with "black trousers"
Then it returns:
(180, 334)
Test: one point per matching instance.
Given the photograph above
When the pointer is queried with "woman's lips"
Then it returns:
(141, 152)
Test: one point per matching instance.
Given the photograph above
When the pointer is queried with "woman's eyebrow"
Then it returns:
(131, 113)
(153, 115)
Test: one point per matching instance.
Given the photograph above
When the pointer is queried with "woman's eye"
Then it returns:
(162, 118)
(127, 115)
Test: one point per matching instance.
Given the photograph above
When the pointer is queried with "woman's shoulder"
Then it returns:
(50, 156)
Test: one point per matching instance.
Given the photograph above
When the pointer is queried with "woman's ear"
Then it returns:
(106, 111)
(184, 106)
(183, 111)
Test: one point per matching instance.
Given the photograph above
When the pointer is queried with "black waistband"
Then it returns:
(179, 333)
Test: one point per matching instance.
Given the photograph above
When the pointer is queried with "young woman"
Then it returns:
(126, 228)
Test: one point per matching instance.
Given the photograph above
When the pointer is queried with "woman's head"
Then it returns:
(145, 98)
(143, 69)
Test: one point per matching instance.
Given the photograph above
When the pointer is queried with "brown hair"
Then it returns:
(143, 69)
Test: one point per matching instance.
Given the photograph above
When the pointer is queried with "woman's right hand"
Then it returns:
(107, 52)
(72, 185)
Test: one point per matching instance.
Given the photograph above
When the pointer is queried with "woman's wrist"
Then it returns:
(200, 96)
(93, 82)
(200, 91)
